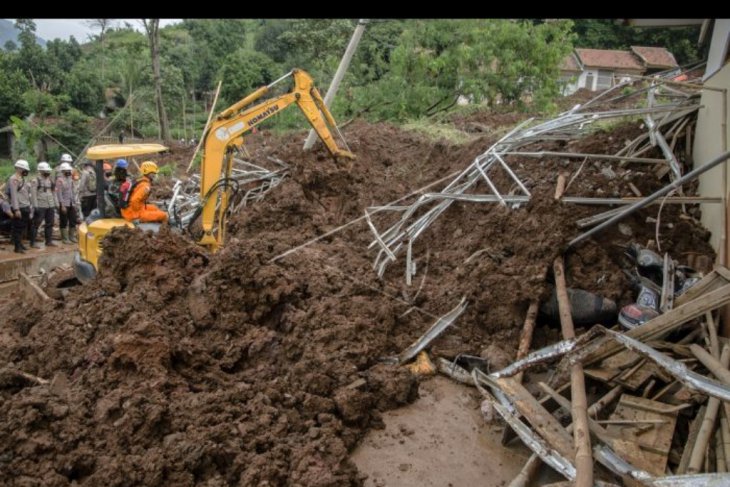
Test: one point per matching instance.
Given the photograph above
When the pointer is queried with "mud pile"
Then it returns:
(181, 368)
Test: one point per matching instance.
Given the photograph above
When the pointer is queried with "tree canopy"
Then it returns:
(402, 68)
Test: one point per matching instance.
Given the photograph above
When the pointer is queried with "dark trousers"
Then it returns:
(19, 226)
(68, 219)
(88, 203)
(43, 215)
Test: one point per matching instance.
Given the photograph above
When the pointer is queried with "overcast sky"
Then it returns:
(50, 29)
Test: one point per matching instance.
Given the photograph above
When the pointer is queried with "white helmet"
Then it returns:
(44, 167)
(22, 164)
(66, 158)
(65, 166)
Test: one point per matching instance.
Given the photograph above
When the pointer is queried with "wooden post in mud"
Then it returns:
(579, 409)
(526, 337)
(522, 350)
(560, 187)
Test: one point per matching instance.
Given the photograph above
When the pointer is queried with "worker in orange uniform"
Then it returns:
(133, 202)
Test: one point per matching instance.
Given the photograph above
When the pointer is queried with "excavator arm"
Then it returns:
(227, 130)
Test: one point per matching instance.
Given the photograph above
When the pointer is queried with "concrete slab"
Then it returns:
(31, 263)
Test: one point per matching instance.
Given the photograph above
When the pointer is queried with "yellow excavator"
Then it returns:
(226, 133)
(93, 230)
(221, 139)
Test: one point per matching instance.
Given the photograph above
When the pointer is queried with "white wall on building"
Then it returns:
(711, 141)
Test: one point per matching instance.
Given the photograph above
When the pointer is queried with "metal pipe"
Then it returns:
(646, 201)
(579, 155)
(339, 74)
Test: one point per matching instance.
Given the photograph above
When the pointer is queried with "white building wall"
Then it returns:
(711, 141)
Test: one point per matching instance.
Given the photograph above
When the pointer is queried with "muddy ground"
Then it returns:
(177, 367)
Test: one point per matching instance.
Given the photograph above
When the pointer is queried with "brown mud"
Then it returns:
(176, 367)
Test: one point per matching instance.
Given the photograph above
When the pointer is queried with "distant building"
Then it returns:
(599, 69)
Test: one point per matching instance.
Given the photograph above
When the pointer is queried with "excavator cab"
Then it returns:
(92, 230)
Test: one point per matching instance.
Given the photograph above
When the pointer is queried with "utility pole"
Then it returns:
(339, 74)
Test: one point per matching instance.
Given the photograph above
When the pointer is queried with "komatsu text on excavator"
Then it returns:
(220, 140)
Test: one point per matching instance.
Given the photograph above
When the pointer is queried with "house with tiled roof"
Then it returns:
(599, 69)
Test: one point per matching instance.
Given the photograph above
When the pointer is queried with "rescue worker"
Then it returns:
(119, 181)
(137, 209)
(107, 174)
(6, 216)
(44, 202)
(87, 188)
(66, 198)
(19, 193)
(64, 158)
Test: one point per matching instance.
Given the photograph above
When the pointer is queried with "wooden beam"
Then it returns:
(579, 407)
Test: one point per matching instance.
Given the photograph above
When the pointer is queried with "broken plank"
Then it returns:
(545, 401)
(541, 420)
(603, 374)
(637, 376)
(529, 470)
(655, 442)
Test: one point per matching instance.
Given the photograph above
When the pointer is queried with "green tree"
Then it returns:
(32, 60)
(12, 86)
(244, 71)
(152, 28)
(84, 89)
(316, 45)
(72, 130)
(64, 54)
(500, 61)
(103, 25)
(214, 40)
(269, 39)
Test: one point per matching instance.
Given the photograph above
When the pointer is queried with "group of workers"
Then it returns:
(26, 204)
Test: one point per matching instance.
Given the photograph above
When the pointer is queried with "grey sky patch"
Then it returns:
(50, 29)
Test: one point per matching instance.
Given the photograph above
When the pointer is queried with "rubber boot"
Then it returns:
(64, 236)
(72, 235)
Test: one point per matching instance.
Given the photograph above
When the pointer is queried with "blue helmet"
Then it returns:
(122, 163)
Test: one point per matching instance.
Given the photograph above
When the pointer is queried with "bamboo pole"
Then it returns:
(205, 130)
(719, 452)
(526, 337)
(579, 406)
(708, 424)
(712, 330)
(725, 429)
